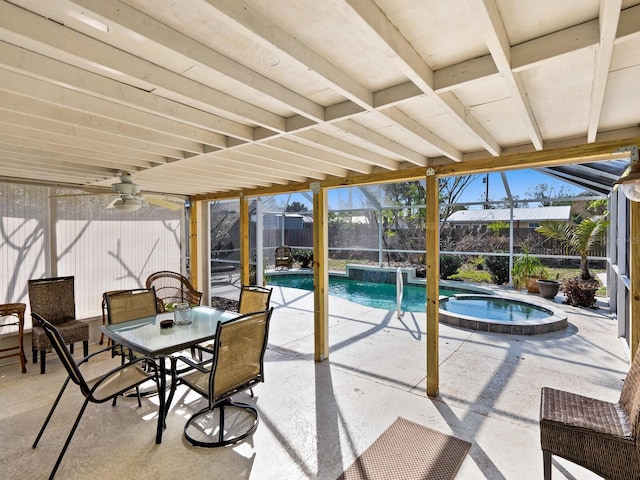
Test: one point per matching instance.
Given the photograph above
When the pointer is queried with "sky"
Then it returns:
(519, 182)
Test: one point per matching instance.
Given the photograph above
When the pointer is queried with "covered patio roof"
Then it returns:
(217, 97)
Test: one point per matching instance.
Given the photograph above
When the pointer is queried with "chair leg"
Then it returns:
(546, 459)
(34, 351)
(43, 359)
(71, 348)
(66, 443)
(85, 348)
(53, 407)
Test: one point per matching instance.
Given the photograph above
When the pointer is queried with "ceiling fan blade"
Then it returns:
(113, 202)
(69, 195)
(172, 203)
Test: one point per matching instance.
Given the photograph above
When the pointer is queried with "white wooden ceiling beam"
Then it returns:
(340, 147)
(64, 97)
(50, 138)
(95, 125)
(67, 76)
(609, 16)
(94, 173)
(52, 38)
(76, 155)
(487, 16)
(76, 133)
(402, 53)
(276, 162)
(393, 148)
(140, 24)
(264, 32)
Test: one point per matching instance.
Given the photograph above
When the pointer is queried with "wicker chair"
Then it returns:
(13, 314)
(283, 257)
(595, 434)
(54, 299)
(103, 388)
(237, 365)
(171, 287)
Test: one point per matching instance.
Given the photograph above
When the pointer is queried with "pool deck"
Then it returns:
(316, 418)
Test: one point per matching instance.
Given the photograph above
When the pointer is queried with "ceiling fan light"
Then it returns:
(127, 204)
(630, 182)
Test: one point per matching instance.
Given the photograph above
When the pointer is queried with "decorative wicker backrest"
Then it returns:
(63, 352)
(283, 256)
(254, 298)
(171, 287)
(238, 361)
(630, 396)
(53, 299)
(128, 305)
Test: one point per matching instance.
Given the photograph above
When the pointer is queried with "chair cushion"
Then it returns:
(590, 432)
(72, 331)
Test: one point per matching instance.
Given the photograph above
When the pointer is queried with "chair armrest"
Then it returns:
(200, 366)
(86, 359)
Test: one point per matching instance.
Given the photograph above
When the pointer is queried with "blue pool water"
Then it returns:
(494, 308)
(376, 295)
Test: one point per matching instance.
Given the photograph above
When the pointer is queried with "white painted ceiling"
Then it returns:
(196, 97)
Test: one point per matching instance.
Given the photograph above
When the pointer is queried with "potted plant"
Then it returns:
(579, 238)
(548, 288)
(303, 256)
(527, 269)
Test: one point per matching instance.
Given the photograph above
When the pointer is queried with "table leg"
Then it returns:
(161, 396)
(172, 389)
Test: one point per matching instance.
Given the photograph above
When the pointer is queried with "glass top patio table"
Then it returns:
(145, 336)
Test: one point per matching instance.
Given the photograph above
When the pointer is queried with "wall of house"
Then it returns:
(105, 249)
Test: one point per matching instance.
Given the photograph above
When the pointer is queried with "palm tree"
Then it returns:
(579, 237)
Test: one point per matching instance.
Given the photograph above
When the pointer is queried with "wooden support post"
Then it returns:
(634, 251)
(244, 241)
(320, 274)
(433, 279)
(194, 270)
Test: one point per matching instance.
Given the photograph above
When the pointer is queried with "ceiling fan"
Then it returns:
(130, 198)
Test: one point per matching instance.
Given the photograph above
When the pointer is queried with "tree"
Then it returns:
(297, 207)
(407, 225)
(579, 237)
(546, 194)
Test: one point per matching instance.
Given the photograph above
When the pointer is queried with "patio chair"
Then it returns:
(254, 298)
(12, 319)
(125, 305)
(54, 299)
(237, 365)
(283, 257)
(172, 287)
(103, 388)
(595, 434)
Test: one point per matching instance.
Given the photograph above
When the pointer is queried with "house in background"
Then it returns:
(522, 217)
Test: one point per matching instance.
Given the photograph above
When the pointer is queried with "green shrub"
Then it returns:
(499, 268)
(449, 265)
(473, 276)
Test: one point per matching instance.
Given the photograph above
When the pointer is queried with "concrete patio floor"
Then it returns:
(316, 418)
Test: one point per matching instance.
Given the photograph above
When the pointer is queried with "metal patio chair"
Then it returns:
(236, 366)
(103, 388)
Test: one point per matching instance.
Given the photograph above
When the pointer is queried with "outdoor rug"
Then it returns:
(409, 451)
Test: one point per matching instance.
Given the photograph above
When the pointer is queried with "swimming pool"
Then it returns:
(369, 294)
(491, 313)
